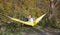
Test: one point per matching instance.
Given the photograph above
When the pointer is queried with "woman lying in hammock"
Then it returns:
(31, 20)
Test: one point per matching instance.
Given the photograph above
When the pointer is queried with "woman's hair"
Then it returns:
(29, 15)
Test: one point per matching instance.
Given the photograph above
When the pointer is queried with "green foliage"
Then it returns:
(21, 8)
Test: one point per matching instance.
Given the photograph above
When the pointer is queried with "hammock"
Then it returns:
(33, 23)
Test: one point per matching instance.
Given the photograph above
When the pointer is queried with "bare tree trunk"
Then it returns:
(51, 9)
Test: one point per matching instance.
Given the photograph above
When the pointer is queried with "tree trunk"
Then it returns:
(51, 9)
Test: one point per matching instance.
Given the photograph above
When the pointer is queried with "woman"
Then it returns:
(30, 18)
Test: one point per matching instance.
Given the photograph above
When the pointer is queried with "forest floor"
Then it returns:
(41, 31)
(26, 30)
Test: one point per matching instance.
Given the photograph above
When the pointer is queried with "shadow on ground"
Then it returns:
(28, 30)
